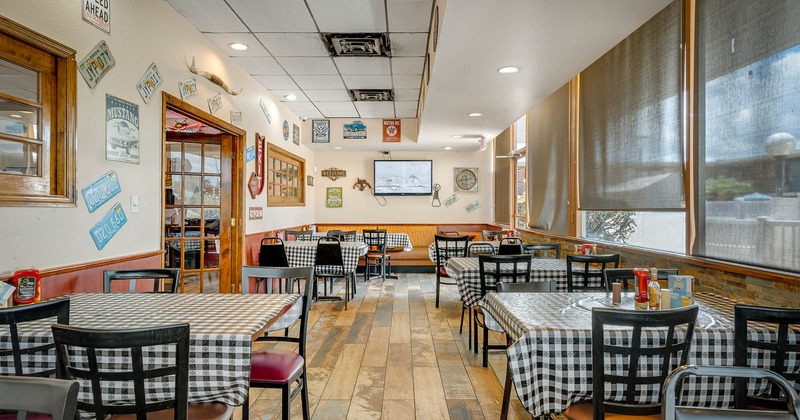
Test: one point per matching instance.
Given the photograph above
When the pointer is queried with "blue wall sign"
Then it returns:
(100, 191)
(249, 154)
(108, 226)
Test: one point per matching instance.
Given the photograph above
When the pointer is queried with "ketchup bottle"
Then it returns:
(642, 299)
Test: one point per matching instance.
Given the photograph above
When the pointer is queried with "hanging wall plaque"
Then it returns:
(96, 64)
(98, 13)
(334, 173)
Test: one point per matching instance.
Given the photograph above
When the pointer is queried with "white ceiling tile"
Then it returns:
(276, 82)
(407, 81)
(307, 65)
(335, 106)
(408, 45)
(301, 106)
(407, 65)
(266, 66)
(309, 114)
(294, 44)
(374, 106)
(327, 95)
(368, 81)
(319, 82)
(223, 41)
(341, 114)
(405, 105)
(406, 94)
(363, 65)
(406, 114)
(377, 114)
(281, 93)
(349, 15)
(274, 15)
(409, 16)
(211, 16)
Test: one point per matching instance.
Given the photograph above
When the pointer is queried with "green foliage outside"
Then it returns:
(612, 226)
(723, 188)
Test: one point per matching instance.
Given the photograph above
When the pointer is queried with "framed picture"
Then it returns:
(122, 130)
(320, 131)
(295, 134)
(310, 180)
(333, 197)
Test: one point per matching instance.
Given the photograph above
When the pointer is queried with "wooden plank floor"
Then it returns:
(392, 354)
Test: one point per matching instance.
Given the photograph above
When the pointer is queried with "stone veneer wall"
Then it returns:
(773, 289)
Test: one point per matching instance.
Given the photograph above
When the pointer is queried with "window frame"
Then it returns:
(520, 153)
(276, 153)
(54, 184)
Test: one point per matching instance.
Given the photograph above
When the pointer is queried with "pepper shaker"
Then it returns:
(616, 293)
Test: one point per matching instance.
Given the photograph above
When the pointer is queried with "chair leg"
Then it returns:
(304, 396)
(437, 289)
(246, 407)
(485, 346)
(286, 401)
(366, 268)
(506, 394)
(461, 327)
(475, 333)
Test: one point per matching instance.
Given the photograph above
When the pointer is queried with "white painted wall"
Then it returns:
(142, 31)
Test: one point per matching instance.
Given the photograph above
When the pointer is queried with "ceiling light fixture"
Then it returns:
(290, 97)
(457, 136)
(508, 70)
(337, 148)
(447, 148)
(15, 116)
(475, 114)
(25, 112)
(238, 46)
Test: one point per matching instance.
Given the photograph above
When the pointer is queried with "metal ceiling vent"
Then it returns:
(357, 45)
(372, 95)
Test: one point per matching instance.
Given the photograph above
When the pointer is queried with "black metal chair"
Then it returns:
(329, 255)
(13, 317)
(136, 346)
(622, 275)
(23, 394)
(493, 235)
(670, 411)
(344, 235)
(673, 351)
(157, 275)
(298, 235)
(586, 273)
(376, 252)
(449, 233)
(779, 350)
(480, 248)
(510, 246)
(498, 268)
(272, 253)
(277, 368)
(447, 247)
(543, 250)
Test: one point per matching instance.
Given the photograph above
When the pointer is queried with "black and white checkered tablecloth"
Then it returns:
(467, 274)
(221, 328)
(393, 240)
(480, 246)
(302, 253)
(551, 355)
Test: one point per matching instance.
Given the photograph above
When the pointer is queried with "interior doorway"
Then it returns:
(201, 197)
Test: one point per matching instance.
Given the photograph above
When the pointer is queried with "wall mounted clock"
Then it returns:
(466, 179)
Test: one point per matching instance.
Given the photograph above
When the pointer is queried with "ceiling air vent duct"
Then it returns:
(357, 45)
(371, 95)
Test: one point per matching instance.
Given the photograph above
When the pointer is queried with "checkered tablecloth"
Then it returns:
(302, 253)
(551, 354)
(482, 245)
(221, 328)
(467, 274)
(393, 240)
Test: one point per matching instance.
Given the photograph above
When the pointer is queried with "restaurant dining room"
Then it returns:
(399, 209)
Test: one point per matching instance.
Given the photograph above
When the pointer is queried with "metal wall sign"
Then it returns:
(215, 103)
(149, 82)
(97, 13)
(333, 197)
(188, 88)
(96, 64)
(236, 118)
(256, 182)
(108, 226)
(122, 130)
(295, 134)
(391, 131)
(320, 131)
(255, 213)
(99, 192)
(334, 173)
(355, 130)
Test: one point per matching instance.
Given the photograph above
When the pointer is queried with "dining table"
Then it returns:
(550, 355)
(303, 253)
(222, 328)
(397, 240)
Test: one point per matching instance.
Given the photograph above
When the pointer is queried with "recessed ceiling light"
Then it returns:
(508, 70)
(238, 46)
(25, 112)
(458, 136)
(15, 116)
(290, 97)
(337, 148)
(447, 148)
(474, 114)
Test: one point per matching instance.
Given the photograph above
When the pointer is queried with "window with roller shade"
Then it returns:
(748, 164)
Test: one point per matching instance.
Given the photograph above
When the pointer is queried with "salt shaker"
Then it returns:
(616, 293)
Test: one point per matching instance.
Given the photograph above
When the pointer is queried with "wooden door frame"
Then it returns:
(169, 102)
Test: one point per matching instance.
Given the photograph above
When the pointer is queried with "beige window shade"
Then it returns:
(630, 152)
(548, 164)
(502, 179)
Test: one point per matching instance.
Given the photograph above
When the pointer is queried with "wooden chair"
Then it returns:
(543, 250)
(510, 246)
(447, 247)
(622, 275)
(779, 350)
(493, 235)
(13, 317)
(329, 254)
(674, 349)
(298, 235)
(490, 266)
(23, 394)
(157, 275)
(132, 342)
(278, 368)
(376, 252)
(586, 273)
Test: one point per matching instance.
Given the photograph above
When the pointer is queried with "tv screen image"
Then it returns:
(403, 177)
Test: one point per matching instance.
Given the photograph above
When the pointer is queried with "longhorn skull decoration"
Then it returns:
(213, 78)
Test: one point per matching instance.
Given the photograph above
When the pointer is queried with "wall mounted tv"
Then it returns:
(403, 177)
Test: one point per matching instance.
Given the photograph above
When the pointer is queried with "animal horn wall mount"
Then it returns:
(213, 78)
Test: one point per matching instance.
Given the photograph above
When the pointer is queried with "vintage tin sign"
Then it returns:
(356, 130)
(99, 192)
(122, 130)
(236, 118)
(188, 88)
(391, 131)
(320, 131)
(96, 64)
(255, 213)
(295, 134)
(333, 197)
(285, 130)
(475, 205)
(97, 13)
(215, 103)
(149, 82)
(250, 154)
(108, 226)
(334, 173)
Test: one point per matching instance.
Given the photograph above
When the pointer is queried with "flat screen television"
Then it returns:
(403, 177)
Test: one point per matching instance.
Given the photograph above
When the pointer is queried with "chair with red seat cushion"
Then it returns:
(447, 247)
(276, 368)
(40, 398)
